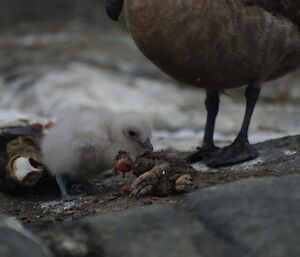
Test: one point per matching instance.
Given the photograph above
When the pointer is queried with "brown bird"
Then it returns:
(217, 45)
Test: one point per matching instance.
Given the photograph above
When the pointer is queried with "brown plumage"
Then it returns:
(288, 8)
(292, 8)
(217, 45)
(214, 44)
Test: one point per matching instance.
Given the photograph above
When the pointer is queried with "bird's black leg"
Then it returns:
(208, 147)
(62, 185)
(240, 150)
(114, 8)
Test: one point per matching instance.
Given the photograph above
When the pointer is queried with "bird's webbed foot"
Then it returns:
(202, 153)
(239, 151)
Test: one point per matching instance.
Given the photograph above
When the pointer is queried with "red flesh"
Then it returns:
(126, 189)
(123, 164)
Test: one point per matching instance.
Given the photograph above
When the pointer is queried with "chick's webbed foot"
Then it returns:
(202, 153)
(239, 151)
(68, 198)
(62, 185)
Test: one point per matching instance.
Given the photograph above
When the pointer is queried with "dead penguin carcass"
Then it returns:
(159, 173)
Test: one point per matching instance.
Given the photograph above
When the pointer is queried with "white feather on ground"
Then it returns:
(84, 143)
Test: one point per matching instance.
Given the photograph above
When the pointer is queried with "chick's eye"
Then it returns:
(132, 133)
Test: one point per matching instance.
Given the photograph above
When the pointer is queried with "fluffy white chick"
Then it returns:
(84, 143)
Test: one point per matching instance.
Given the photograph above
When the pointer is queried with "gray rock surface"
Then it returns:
(15, 241)
(279, 156)
(149, 232)
(249, 218)
(262, 215)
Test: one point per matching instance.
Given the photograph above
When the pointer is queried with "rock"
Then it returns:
(260, 215)
(149, 232)
(39, 206)
(256, 217)
(249, 218)
(15, 241)
(279, 156)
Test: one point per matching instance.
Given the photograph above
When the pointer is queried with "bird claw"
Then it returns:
(239, 151)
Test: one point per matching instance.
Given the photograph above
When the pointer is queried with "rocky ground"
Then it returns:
(249, 209)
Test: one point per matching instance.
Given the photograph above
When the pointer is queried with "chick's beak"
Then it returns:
(147, 145)
(114, 8)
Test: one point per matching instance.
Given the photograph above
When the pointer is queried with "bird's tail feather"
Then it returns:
(288, 8)
(292, 8)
